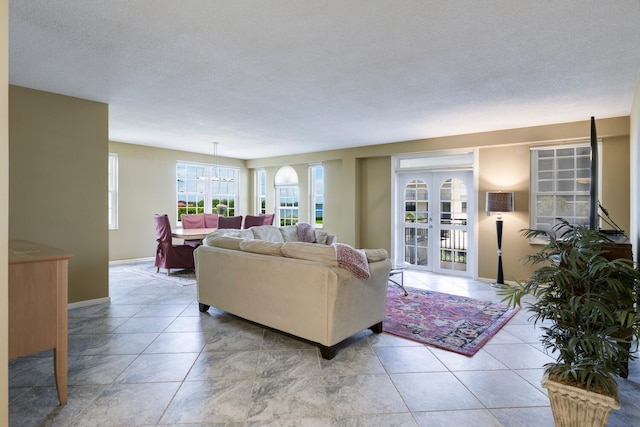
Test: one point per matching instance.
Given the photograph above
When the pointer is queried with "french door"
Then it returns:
(433, 211)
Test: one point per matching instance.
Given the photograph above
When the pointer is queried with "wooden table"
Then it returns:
(191, 233)
(38, 304)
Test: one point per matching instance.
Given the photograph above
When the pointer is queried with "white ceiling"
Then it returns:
(275, 77)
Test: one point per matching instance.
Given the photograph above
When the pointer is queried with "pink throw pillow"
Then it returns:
(306, 233)
(353, 260)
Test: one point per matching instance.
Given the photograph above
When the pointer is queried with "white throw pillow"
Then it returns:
(374, 255)
(268, 233)
(310, 252)
(261, 247)
(321, 237)
(289, 233)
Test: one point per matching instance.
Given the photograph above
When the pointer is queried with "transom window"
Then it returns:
(201, 188)
(560, 183)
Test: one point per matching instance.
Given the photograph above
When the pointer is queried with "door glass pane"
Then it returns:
(416, 218)
(453, 225)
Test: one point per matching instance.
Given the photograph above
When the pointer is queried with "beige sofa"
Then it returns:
(266, 275)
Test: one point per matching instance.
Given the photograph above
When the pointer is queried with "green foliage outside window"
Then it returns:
(291, 219)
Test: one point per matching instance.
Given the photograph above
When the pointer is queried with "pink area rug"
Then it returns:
(450, 322)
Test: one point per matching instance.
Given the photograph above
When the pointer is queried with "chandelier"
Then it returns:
(214, 169)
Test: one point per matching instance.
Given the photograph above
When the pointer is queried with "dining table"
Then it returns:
(191, 233)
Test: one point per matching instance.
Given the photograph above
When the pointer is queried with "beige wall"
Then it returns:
(615, 193)
(4, 210)
(503, 168)
(358, 188)
(147, 185)
(361, 188)
(374, 202)
(58, 182)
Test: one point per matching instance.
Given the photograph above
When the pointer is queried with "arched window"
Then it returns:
(287, 196)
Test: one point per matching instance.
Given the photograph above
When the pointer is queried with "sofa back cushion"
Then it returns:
(261, 247)
(310, 252)
(268, 233)
(225, 242)
(228, 232)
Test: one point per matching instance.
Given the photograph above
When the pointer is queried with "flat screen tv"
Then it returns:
(593, 190)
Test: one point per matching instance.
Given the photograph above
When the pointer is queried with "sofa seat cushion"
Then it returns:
(261, 247)
(310, 252)
(268, 233)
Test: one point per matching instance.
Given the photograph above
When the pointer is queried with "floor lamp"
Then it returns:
(499, 201)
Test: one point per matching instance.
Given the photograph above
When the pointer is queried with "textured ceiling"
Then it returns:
(274, 77)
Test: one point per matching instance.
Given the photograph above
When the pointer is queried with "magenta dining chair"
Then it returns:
(169, 255)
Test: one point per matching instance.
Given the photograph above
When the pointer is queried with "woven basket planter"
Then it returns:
(575, 407)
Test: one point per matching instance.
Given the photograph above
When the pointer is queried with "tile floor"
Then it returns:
(151, 359)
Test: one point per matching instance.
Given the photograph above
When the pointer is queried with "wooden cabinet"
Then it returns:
(620, 248)
(38, 304)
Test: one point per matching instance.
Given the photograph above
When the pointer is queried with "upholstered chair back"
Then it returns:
(268, 218)
(163, 228)
(211, 220)
(252, 220)
(169, 255)
(192, 221)
(230, 222)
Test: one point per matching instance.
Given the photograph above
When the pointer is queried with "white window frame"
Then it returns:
(203, 183)
(113, 191)
(287, 196)
(288, 204)
(316, 195)
(260, 191)
(566, 179)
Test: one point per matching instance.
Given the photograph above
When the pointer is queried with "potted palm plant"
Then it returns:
(585, 305)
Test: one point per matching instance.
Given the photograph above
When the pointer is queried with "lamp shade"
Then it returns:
(499, 201)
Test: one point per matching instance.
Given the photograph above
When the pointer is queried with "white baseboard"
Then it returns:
(89, 302)
(106, 300)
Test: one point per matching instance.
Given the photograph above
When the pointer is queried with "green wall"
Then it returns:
(58, 182)
(4, 211)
